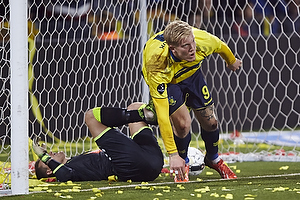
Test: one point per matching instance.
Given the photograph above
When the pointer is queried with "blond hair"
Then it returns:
(177, 31)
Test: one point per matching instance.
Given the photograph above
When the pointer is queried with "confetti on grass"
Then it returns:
(284, 167)
(202, 190)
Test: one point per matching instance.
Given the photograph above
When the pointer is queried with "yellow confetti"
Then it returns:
(119, 192)
(214, 195)
(225, 189)
(166, 190)
(209, 173)
(159, 194)
(199, 179)
(250, 195)
(202, 190)
(50, 190)
(57, 194)
(37, 189)
(284, 168)
(144, 183)
(199, 195)
(233, 167)
(238, 171)
(280, 189)
(71, 183)
(248, 198)
(112, 178)
(95, 190)
(129, 181)
(249, 183)
(228, 196)
(68, 197)
(98, 194)
(75, 190)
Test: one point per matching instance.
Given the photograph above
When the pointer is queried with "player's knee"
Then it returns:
(183, 127)
(212, 125)
(134, 106)
(89, 116)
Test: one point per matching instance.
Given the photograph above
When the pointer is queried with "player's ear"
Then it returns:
(171, 47)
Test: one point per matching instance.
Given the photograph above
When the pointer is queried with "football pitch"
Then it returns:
(256, 180)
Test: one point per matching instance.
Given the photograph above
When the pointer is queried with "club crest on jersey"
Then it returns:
(161, 88)
(172, 101)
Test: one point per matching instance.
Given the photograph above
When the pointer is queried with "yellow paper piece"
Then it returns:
(284, 168)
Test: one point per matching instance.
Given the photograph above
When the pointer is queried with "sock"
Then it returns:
(118, 116)
(211, 140)
(183, 145)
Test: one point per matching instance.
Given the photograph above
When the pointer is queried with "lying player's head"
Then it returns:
(181, 40)
(42, 170)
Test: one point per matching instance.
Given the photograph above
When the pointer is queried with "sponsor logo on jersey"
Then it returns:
(161, 88)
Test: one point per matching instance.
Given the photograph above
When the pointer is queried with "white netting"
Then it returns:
(87, 53)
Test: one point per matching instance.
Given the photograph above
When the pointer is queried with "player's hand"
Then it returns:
(235, 66)
(177, 166)
(38, 150)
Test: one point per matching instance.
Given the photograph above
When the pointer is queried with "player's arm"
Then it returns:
(162, 112)
(61, 172)
(227, 55)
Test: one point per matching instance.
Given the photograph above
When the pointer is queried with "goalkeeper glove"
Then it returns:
(40, 151)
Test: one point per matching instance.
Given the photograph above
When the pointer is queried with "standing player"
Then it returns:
(171, 68)
(136, 159)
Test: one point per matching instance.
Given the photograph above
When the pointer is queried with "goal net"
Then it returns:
(87, 53)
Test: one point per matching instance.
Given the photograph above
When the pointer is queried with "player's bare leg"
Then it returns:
(210, 136)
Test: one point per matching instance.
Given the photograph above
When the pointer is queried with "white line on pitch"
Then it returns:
(202, 181)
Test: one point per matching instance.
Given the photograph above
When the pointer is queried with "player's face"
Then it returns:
(186, 49)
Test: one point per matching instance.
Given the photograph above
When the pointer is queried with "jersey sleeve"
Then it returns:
(162, 111)
(226, 54)
(61, 172)
(209, 44)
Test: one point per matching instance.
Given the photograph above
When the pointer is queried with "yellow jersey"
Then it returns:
(161, 67)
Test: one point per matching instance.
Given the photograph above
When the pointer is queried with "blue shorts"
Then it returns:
(192, 91)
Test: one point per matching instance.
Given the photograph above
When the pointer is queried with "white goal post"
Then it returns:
(88, 53)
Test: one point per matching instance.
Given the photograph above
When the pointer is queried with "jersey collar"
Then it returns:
(174, 57)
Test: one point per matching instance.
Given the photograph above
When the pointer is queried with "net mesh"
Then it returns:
(87, 53)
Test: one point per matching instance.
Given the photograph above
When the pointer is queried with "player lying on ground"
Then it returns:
(136, 159)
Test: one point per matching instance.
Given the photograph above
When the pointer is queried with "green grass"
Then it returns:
(256, 180)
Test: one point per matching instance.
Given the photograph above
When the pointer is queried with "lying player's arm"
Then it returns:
(162, 111)
(61, 172)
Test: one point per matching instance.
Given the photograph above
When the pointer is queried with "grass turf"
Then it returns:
(256, 180)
